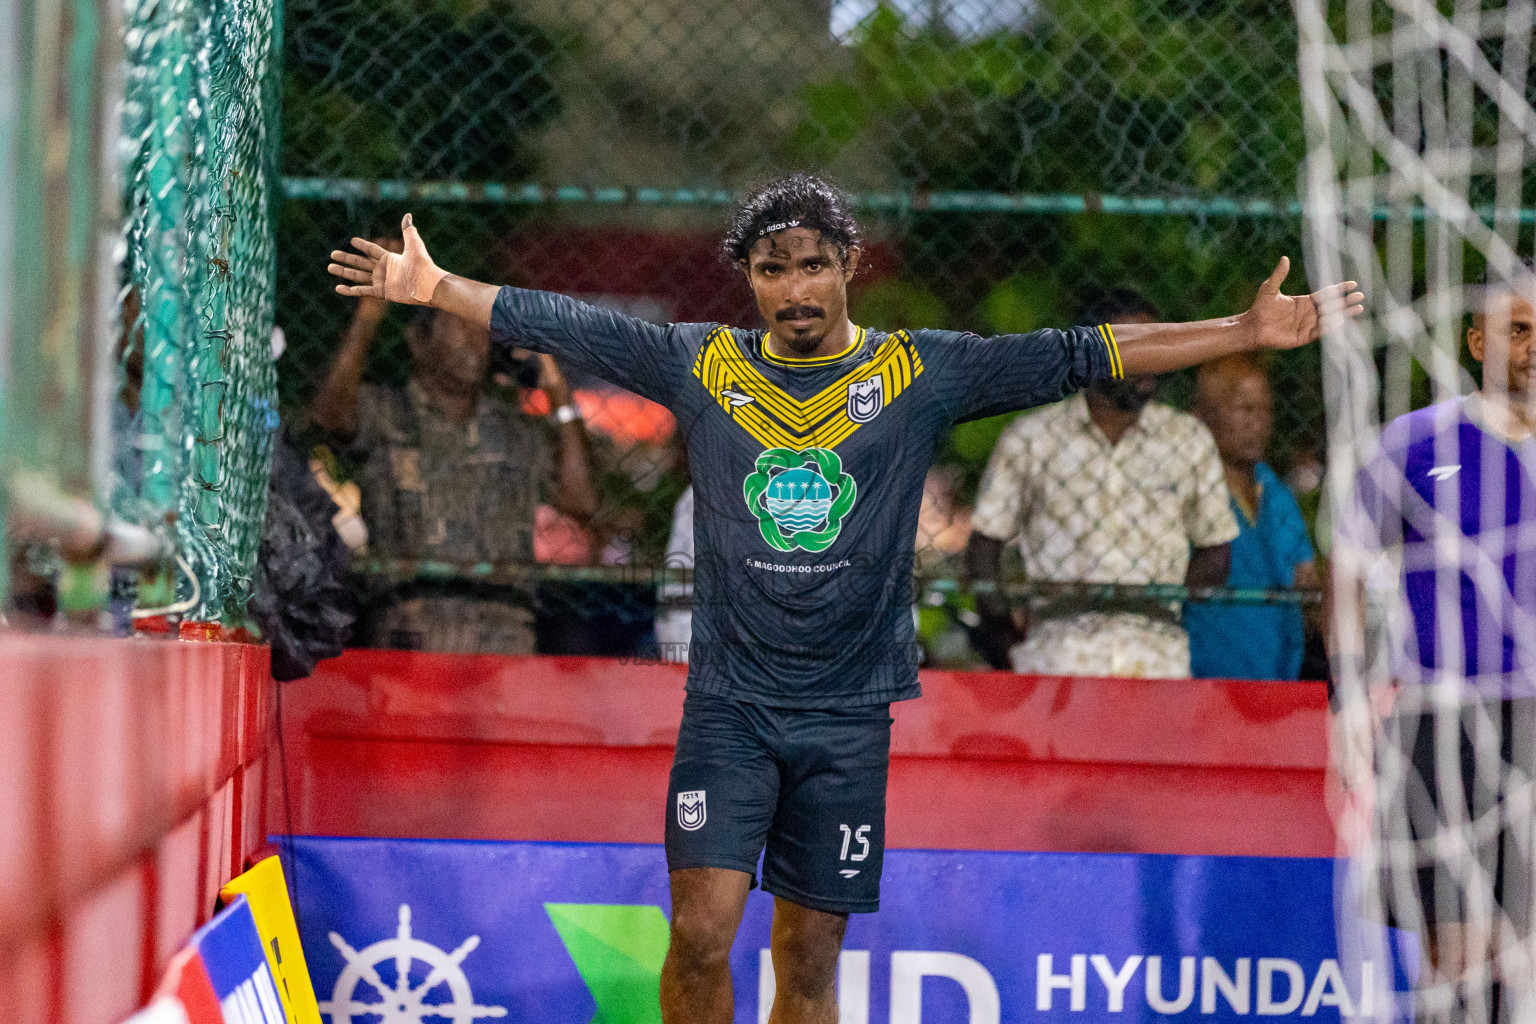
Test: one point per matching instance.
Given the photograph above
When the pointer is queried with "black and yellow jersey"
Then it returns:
(807, 477)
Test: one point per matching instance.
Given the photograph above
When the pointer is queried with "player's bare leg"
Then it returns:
(806, 944)
(696, 979)
(1468, 961)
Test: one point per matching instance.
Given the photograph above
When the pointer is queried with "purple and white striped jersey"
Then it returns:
(1459, 501)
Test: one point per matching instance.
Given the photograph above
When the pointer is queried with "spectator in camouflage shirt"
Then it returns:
(451, 473)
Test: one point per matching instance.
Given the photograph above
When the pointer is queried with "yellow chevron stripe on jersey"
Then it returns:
(802, 416)
(780, 420)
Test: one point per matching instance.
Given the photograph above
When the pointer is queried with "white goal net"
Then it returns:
(1419, 185)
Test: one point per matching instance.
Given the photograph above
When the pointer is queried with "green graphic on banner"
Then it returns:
(618, 949)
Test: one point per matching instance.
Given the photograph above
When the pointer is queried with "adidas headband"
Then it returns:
(784, 226)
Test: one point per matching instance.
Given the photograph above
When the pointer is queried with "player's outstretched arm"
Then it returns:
(410, 277)
(1274, 321)
(642, 357)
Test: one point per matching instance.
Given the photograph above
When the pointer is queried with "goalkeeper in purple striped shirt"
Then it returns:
(1451, 493)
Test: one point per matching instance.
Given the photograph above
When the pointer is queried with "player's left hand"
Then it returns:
(1289, 321)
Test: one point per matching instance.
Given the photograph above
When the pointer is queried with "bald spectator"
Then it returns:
(1250, 641)
(674, 617)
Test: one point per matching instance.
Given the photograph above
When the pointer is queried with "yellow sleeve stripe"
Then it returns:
(1116, 368)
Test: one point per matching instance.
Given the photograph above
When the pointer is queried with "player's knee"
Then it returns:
(701, 941)
(806, 945)
(805, 972)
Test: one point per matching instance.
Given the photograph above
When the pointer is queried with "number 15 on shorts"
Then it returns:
(850, 836)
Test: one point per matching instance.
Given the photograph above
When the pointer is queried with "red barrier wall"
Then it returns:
(135, 777)
(132, 786)
(388, 743)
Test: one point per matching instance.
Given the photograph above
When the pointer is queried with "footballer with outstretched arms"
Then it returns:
(808, 443)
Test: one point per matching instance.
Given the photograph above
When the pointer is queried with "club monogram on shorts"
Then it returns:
(690, 810)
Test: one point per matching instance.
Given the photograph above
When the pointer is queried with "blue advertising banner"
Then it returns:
(573, 933)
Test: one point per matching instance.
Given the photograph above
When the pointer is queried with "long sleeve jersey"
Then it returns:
(807, 476)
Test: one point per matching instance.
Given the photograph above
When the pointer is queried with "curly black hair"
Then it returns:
(794, 200)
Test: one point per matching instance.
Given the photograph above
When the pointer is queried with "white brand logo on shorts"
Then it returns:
(690, 810)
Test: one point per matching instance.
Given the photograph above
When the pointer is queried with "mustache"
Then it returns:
(800, 313)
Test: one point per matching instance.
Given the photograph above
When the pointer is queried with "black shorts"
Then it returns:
(807, 785)
(1484, 804)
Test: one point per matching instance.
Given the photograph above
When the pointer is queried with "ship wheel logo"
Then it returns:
(404, 1002)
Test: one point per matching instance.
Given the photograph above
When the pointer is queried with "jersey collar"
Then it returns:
(853, 349)
(1497, 420)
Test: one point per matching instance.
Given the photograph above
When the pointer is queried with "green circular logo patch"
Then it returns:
(799, 498)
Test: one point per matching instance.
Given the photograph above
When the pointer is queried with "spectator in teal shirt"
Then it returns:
(1250, 641)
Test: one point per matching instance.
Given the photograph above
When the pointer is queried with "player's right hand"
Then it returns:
(374, 272)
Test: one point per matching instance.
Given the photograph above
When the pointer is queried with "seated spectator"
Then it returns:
(1250, 641)
(674, 616)
(944, 620)
(943, 523)
(451, 474)
(1105, 487)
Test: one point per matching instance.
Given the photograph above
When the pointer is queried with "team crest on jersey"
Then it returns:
(690, 810)
(800, 498)
(865, 399)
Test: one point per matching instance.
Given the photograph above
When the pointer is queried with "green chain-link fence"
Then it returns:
(1009, 158)
(138, 147)
(197, 406)
(1009, 162)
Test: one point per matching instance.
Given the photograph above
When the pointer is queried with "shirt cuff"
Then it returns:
(1112, 350)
